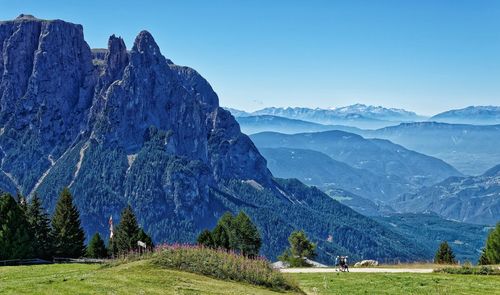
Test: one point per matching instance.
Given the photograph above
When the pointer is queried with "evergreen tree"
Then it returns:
(221, 237)
(483, 260)
(300, 248)
(15, 241)
(233, 233)
(205, 239)
(223, 233)
(40, 231)
(127, 233)
(491, 252)
(444, 254)
(247, 237)
(144, 237)
(96, 248)
(68, 234)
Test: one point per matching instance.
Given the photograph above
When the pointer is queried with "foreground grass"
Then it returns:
(139, 277)
(396, 283)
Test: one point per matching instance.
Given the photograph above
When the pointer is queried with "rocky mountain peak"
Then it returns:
(116, 57)
(145, 50)
(23, 16)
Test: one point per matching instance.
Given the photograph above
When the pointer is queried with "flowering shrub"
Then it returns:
(222, 264)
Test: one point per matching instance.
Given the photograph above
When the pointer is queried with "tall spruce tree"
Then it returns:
(247, 237)
(144, 237)
(15, 240)
(444, 254)
(67, 232)
(126, 234)
(491, 251)
(96, 248)
(40, 230)
(205, 239)
(223, 233)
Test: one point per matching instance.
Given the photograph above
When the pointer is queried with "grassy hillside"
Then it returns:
(397, 283)
(132, 278)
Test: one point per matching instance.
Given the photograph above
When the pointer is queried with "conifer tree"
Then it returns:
(444, 254)
(96, 248)
(300, 248)
(127, 233)
(67, 232)
(144, 237)
(491, 251)
(15, 241)
(223, 234)
(205, 239)
(247, 237)
(40, 231)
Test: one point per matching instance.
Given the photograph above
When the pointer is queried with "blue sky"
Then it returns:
(426, 56)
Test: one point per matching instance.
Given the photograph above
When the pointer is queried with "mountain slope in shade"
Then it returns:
(479, 115)
(381, 157)
(471, 149)
(122, 127)
(467, 199)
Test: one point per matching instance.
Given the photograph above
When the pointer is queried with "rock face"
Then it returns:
(125, 127)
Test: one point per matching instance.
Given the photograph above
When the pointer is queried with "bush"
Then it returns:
(470, 270)
(224, 265)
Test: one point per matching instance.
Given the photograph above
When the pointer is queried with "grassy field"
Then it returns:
(392, 283)
(141, 277)
(132, 278)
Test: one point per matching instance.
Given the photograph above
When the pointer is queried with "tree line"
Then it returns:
(27, 231)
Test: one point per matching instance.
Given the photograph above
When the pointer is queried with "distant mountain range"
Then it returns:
(357, 115)
(397, 164)
(478, 115)
(468, 199)
(261, 123)
(469, 148)
(373, 117)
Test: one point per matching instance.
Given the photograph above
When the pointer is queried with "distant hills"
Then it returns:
(316, 168)
(260, 123)
(473, 199)
(469, 148)
(381, 157)
(374, 117)
(478, 115)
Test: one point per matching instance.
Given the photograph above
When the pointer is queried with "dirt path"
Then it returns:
(374, 269)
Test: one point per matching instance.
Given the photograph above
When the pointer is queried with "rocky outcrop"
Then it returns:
(46, 89)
